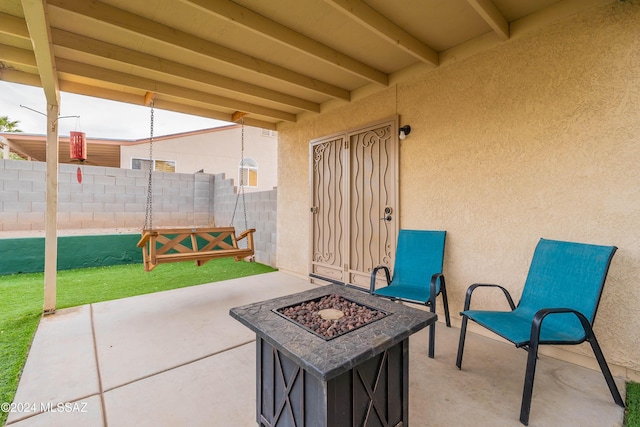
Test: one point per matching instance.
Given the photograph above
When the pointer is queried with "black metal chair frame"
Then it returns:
(533, 344)
(431, 302)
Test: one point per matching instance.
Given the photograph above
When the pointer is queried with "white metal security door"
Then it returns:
(354, 215)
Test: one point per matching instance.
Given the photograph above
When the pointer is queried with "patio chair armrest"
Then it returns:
(372, 286)
(433, 286)
(467, 299)
(536, 323)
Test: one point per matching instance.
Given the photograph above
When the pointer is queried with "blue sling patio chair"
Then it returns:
(558, 306)
(417, 273)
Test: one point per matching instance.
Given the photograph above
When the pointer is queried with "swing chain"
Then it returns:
(148, 219)
(241, 189)
(244, 205)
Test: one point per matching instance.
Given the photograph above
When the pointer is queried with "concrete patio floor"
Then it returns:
(177, 358)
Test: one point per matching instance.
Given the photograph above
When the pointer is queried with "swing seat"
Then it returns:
(161, 246)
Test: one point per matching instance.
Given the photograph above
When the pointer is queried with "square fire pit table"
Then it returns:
(360, 378)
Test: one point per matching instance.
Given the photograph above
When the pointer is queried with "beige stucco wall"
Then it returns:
(216, 151)
(538, 137)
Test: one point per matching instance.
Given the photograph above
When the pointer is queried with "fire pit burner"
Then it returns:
(331, 315)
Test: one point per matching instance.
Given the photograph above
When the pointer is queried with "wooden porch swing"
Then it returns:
(199, 244)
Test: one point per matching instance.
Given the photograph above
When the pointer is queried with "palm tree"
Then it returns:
(7, 125)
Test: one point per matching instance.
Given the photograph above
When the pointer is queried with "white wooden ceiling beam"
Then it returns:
(190, 109)
(368, 17)
(13, 26)
(173, 69)
(492, 16)
(124, 79)
(19, 77)
(159, 102)
(38, 24)
(17, 27)
(265, 27)
(17, 56)
(130, 98)
(554, 12)
(132, 23)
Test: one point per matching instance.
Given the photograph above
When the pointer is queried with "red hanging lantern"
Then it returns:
(77, 145)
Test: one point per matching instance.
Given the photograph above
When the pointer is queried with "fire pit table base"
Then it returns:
(359, 378)
(373, 393)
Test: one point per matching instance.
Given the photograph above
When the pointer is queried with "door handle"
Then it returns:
(387, 214)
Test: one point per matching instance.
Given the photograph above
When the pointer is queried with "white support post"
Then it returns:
(51, 212)
(5, 147)
(37, 19)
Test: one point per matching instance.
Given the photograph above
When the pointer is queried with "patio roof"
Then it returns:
(178, 358)
(104, 152)
(274, 60)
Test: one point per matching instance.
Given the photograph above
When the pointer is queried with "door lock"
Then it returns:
(387, 214)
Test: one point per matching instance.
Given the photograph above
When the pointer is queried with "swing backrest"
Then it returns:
(193, 244)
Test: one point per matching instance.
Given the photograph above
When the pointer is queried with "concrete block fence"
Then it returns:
(113, 198)
(260, 214)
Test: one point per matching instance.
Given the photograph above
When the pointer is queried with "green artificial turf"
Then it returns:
(22, 299)
(632, 414)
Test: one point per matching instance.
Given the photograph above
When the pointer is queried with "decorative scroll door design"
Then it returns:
(328, 210)
(373, 207)
(354, 215)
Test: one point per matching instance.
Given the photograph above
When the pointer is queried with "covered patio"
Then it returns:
(524, 118)
(178, 358)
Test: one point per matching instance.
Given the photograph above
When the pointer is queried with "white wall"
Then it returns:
(215, 151)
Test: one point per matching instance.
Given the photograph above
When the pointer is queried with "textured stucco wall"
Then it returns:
(538, 137)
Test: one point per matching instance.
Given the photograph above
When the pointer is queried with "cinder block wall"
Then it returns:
(110, 198)
(260, 214)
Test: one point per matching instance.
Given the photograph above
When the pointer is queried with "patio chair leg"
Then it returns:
(432, 340)
(463, 333)
(432, 333)
(527, 393)
(445, 303)
(604, 368)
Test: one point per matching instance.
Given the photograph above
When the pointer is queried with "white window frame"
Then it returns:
(250, 165)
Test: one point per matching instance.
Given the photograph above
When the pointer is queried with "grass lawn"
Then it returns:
(632, 414)
(22, 299)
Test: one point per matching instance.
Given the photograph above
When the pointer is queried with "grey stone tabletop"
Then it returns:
(328, 359)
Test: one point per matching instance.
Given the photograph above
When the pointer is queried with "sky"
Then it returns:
(99, 118)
